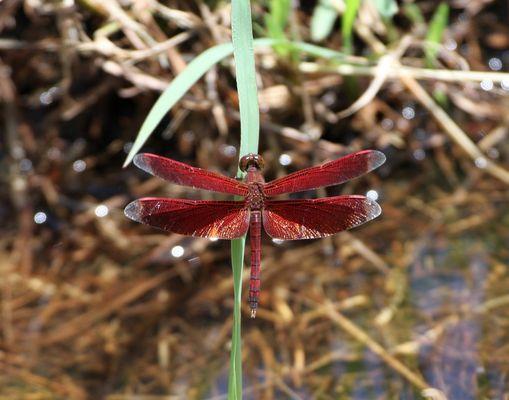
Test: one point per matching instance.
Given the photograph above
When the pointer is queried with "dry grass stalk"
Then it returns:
(362, 337)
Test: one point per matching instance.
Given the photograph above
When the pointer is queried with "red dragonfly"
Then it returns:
(281, 219)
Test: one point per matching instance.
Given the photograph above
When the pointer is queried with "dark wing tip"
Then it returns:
(133, 210)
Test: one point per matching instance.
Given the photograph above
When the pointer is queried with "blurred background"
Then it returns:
(96, 306)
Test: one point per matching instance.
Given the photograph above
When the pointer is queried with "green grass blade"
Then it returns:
(352, 6)
(235, 372)
(413, 13)
(277, 18)
(322, 20)
(243, 53)
(435, 32)
(317, 51)
(276, 21)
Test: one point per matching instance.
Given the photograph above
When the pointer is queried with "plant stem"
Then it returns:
(242, 38)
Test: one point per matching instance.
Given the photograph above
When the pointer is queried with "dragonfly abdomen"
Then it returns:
(255, 233)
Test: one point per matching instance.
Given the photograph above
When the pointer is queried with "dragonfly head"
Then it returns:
(251, 160)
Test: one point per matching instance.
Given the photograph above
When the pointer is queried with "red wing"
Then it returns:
(185, 175)
(211, 219)
(316, 218)
(331, 173)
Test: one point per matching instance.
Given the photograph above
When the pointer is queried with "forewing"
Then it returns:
(316, 218)
(328, 174)
(210, 219)
(186, 175)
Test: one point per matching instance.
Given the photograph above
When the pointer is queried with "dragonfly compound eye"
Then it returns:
(251, 159)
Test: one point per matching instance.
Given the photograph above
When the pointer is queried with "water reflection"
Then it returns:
(177, 251)
(101, 211)
(372, 195)
(487, 84)
(40, 217)
(455, 340)
(79, 166)
(447, 279)
(495, 64)
(285, 159)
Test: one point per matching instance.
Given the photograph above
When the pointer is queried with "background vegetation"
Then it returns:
(411, 305)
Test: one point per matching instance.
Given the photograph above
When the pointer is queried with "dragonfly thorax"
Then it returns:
(255, 197)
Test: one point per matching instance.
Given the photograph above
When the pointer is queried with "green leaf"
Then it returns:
(317, 51)
(277, 18)
(435, 32)
(413, 13)
(276, 21)
(441, 98)
(352, 6)
(235, 373)
(322, 20)
(386, 8)
(243, 53)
